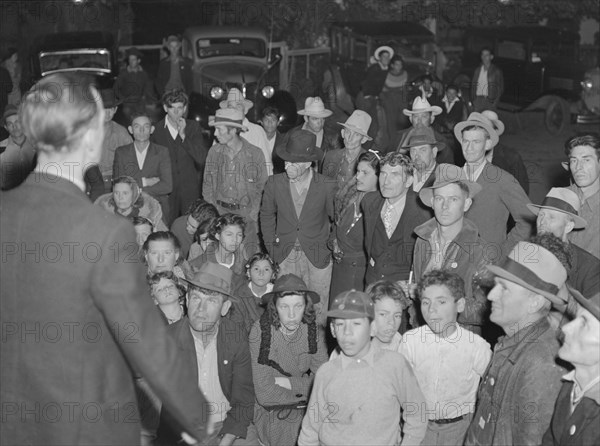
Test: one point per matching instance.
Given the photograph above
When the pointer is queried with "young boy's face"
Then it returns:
(388, 316)
(439, 308)
(353, 335)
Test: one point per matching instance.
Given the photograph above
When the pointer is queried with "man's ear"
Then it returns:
(409, 180)
(225, 307)
(151, 130)
(434, 150)
(130, 129)
(468, 203)
(569, 226)
(460, 304)
(332, 328)
(165, 108)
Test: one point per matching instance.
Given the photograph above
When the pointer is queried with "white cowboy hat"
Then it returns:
(479, 120)
(493, 116)
(563, 200)
(422, 105)
(235, 96)
(359, 122)
(314, 107)
(229, 117)
(381, 49)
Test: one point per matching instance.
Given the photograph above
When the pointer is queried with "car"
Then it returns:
(225, 57)
(91, 53)
(541, 68)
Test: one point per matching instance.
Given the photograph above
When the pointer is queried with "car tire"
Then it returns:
(557, 115)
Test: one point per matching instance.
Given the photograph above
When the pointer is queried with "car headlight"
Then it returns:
(587, 84)
(268, 91)
(216, 92)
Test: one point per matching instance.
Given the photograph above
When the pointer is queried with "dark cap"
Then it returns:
(352, 305)
(290, 283)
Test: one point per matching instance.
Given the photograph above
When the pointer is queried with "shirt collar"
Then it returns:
(592, 390)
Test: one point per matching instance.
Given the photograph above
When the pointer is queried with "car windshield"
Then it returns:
(96, 60)
(230, 46)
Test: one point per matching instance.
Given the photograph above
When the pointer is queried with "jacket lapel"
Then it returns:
(287, 196)
(185, 342)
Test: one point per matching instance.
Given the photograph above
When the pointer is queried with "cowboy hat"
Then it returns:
(213, 277)
(359, 122)
(536, 269)
(447, 174)
(493, 116)
(299, 146)
(290, 283)
(479, 120)
(314, 107)
(381, 49)
(234, 95)
(422, 105)
(563, 200)
(229, 117)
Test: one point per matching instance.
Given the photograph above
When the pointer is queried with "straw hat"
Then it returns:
(479, 120)
(359, 122)
(422, 105)
(563, 200)
(235, 96)
(230, 117)
(314, 107)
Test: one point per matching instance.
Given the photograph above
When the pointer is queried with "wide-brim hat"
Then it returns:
(481, 121)
(213, 277)
(9, 110)
(290, 283)
(381, 49)
(229, 117)
(563, 200)
(359, 122)
(352, 304)
(592, 304)
(419, 137)
(536, 269)
(109, 100)
(236, 96)
(422, 105)
(493, 117)
(133, 51)
(299, 146)
(447, 174)
(315, 107)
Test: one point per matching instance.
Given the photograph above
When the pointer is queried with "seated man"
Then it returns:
(185, 227)
(218, 352)
(148, 163)
(559, 215)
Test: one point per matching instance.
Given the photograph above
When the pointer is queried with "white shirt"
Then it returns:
(172, 130)
(482, 82)
(418, 185)
(473, 175)
(397, 209)
(257, 137)
(141, 155)
(208, 381)
(448, 369)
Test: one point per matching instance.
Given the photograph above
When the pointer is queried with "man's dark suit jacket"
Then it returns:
(156, 164)
(188, 158)
(281, 226)
(507, 158)
(585, 272)
(235, 373)
(400, 245)
(78, 319)
(164, 73)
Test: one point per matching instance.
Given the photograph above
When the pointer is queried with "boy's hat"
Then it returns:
(352, 305)
(536, 269)
(447, 174)
(480, 120)
(299, 146)
(314, 107)
(290, 283)
(359, 122)
(563, 200)
(213, 277)
(229, 117)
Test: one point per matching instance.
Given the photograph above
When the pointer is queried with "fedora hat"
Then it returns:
(229, 117)
(108, 98)
(422, 105)
(235, 96)
(493, 116)
(479, 120)
(299, 146)
(314, 107)
(359, 122)
(213, 277)
(419, 137)
(381, 49)
(290, 283)
(563, 200)
(447, 174)
(352, 305)
(536, 269)
(592, 304)
(133, 51)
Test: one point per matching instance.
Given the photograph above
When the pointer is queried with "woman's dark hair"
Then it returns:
(258, 257)
(396, 58)
(204, 212)
(224, 220)
(270, 319)
(160, 236)
(136, 193)
(372, 159)
(139, 221)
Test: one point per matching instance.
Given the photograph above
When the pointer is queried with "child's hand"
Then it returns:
(147, 182)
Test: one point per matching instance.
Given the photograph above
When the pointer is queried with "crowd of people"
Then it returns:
(298, 288)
